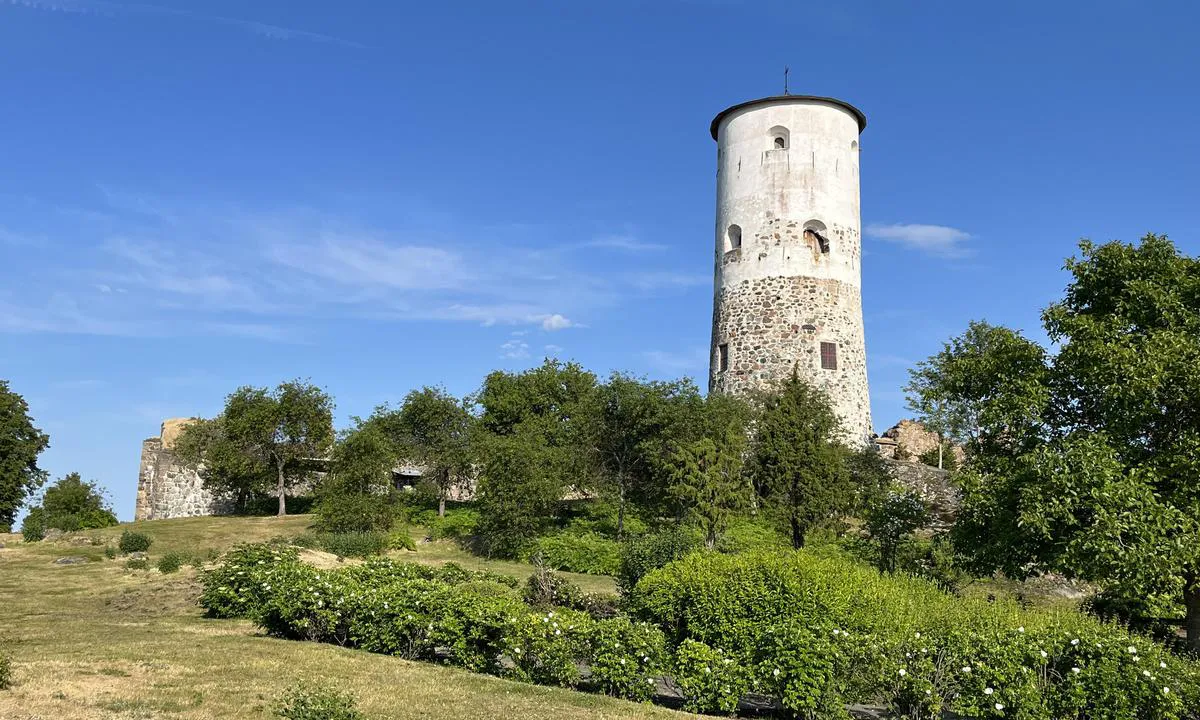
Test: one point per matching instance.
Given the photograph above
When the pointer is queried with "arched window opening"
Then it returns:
(853, 145)
(780, 138)
(733, 238)
(817, 230)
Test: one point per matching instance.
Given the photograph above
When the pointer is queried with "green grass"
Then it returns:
(98, 641)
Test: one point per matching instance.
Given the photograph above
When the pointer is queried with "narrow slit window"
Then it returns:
(828, 356)
(723, 357)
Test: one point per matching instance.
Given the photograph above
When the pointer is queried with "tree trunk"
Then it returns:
(1191, 600)
(940, 454)
(797, 534)
(442, 504)
(279, 486)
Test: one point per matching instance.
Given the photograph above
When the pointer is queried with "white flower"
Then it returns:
(1075, 641)
(1146, 673)
(836, 631)
(707, 669)
(1043, 652)
(1132, 649)
(988, 691)
(776, 673)
(1166, 691)
(928, 692)
(918, 636)
(559, 632)
(1162, 665)
(999, 706)
(966, 668)
(622, 661)
(1021, 629)
(1075, 670)
(903, 672)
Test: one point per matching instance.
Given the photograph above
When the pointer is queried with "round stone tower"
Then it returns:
(788, 252)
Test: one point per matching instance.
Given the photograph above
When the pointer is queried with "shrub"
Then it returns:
(347, 544)
(457, 524)
(589, 553)
(132, 542)
(309, 703)
(750, 536)
(238, 586)
(710, 679)
(110, 552)
(641, 555)
(625, 657)
(137, 564)
(401, 540)
(33, 527)
(546, 647)
(171, 562)
(5, 672)
(355, 513)
(820, 632)
(546, 589)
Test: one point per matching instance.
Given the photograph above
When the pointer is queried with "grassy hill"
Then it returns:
(97, 640)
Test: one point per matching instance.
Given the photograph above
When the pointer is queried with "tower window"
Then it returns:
(828, 356)
(817, 230)
(780, 137)
(733, 238)
(723, 357)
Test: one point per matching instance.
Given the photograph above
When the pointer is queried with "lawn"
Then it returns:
(99, 641)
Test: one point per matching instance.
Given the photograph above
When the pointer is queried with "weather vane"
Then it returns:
(786, 70)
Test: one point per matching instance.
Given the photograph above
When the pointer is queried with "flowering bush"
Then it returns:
(238, 585)
(546, 647)
(710, 679)
(625, 656)
(303, 702)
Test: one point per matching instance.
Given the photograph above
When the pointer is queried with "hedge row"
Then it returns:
(466, 618)
(814, 633)
(822, 632)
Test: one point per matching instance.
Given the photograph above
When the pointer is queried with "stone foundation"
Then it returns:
(169, 489)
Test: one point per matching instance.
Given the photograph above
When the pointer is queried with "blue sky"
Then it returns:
(378, 196)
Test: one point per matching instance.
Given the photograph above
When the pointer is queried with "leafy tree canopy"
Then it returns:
(1086, 462)
(262, 435)
(70, 504)
(20, 444)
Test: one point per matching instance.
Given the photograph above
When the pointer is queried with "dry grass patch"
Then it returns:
(99, 641)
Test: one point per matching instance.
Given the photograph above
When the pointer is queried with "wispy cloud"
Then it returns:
(627, 243)
(113, 9)
(553, 350)
(939, 240)
(554, 322)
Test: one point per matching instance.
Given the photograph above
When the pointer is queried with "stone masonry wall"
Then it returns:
(167, 488)
(773, 324)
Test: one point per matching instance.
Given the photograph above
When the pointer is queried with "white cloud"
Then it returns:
(553, 349)
(937, 240)
(550, 323)
(515, 350)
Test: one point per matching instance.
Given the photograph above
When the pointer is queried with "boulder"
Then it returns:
(139, 555)
(71, 560)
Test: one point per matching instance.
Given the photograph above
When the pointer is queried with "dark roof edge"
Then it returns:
(858, 114)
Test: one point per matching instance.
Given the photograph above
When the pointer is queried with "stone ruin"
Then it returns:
(166, 487)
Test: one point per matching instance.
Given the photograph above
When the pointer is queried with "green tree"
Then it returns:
(891, 519)
(1087, 465)
(262, 435)
(709, 481)
(629, 423)
(356, 494)
(72, 504)
(517, 494)
(531, 450)
(20, 444)
(986, 390)
(798, 468)
(435, 430)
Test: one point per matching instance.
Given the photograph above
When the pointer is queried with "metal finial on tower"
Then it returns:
(786, 70)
